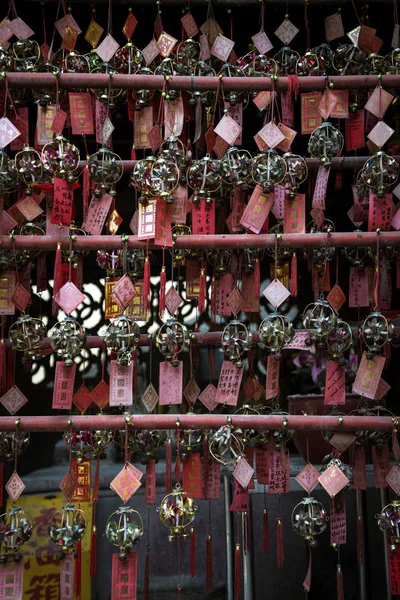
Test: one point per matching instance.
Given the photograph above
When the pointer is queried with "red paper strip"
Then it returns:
(394, 571)
(7, 287)
(63, 202)
(272, 381)
(257, 210)
(67, 578)
(262, 465)
(222, 290)
(45, 117)
(250, 293)
(163, 235)
(380, 212)
(321, 186)
(358, 288)
(368, 376)
(211, 480)
(341, 108)
(121, 377)
(179, 206)
(101, 114)
(381, 462)
(12, 580)
(80, 108)
(82, 472)
(192, 476)
(193, 268)
(174, 116)
(147, 220)
(142, 126)
(240, 502)
(354, 131)
(279, 474)
(124, 577)
(338, 520)
(359, 472)
(310, 116)
(203, 218)
(249, 452)
(335, 385)
(63, 386)
(295, 214)
(287, 109)
(150, 495)
(96, 215)
(229, 384)
(237, 209)
(170, 391)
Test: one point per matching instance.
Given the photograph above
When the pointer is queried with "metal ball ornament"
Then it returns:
(380, 173)
(172, 338)
(296, 172)
(164, 178)
(309, 519)
(8, 174)
(286, 60)
(27, 334)
(147, 442)
(236, 167)
(226, 445)
(67, 339)
(29, 165)
(268, 169)
(141, 178)
(105, 170)
(375, 332)
(12, 444)
(325, 143)
(389, 522)
(124, 529)
(16, 528)
(319, 319)
(274, 332)
(235, 341)
(122, 336)
(204, 178)
(177, 511)
(66, 529)
(61, 158)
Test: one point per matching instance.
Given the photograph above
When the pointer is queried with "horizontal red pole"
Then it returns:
(201, 242)
(70, 81)
(338, 164)
(194, 421)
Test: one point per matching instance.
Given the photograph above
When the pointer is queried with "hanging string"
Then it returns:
(54, 31)
(306, 22)
(356, 12)
(262, 14)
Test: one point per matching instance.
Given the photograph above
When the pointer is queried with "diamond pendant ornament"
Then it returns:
(125, 484)
(235, 301)
(393, 479)
(14, 487)
(82, 399)
(69, 484)
(8, 132)
(20, 297)
(124, 291)
(172, 300)
(341, 440)
(276, 293)
(13, 400)
(191, 392)
(150, 398)
(271, 134)
(286, 32)
(333, 480)
(207, 397)
(243, 472)
(308, 478)
(69, 297)
(100, 394)
(336, 297)
(380, 134)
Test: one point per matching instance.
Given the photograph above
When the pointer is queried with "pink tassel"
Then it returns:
(209, 564)
(78, 572)
(339, 583)
(93, 552)
(192, 553)
(3, 366)
(257, 281)
(238, 573)
(202, 291)
(395, 446)
(57, 279)
(265, 531)
(163, 283)
(307, 580)
(133, 153)
(146, 286)
(293, 276)
(85, 188)
(168, 467)
(280, 553)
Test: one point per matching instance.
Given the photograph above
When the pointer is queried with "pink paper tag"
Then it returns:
(63, 202)
(166, 44)
(261, 42)
(286, 144)
(80, 107)
(272, 382)
(333, 480)
(67, 577)
(170, 383)
(179, 206)
(150, 52)
(262, 465)
(163, 234)
(310, 116)
(381, 462)
(380, 212)
(222, 290)
(189, 25)
(262, 100)
(287, 109)
(341, 108)
(124, 577)
(359, 472)
(121, 377)
(174, 117)
(368, 375)
(7, 287)
(147, 220)
(358, 288)
(378, 102)
(229, 382)
(204, 47)
(203, 218)
(257, 210)
(63, 386)
(240, 502)
(222, 47)
(20, 29)
(308, 478)
(8, 132)
(382, 389)
(12, 580)
(143, 123)
(150, 494)
(243, 472)
(327, 103)
(207, 397)
(211, 480)
(279, 473)
(228, 129)
(192, 476)
(101, 112)
(295, 214)
(380, 134)
(338, 527)
(250, 294)
(335, 384)
(96, 215)
(354, 131)
(271, 134)
(107, 48)
(334, 27)
(59, 121)
(321, 186)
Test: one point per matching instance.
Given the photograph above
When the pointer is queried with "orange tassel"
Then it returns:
(293, 276)
(86, 188)
(280, 553)
(202, 291)
(146, 286)
(192, 553)
(265, 531)
(163, 283)
(209, 564)
(339, 583)
(146, 586)
(238, 573)
(57, 279)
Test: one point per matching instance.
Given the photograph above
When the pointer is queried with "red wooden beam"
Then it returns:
(196, 421)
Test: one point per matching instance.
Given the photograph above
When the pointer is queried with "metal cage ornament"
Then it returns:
(339, 341)
(147, 442)
(79, 443)
(389, 522)
(392, 61)
(66, 529)
(45, 96)
(73, 62)
(16, 528)
(226, 445)
(375, 332)
(143, 97)
(105, 170)
(172, 338)
(220, 261)
(326, 55)
(165, 176)
(168, 68)
(124, 529)
(349, 60)
(379, 173)
(228, 70)
(296, 172)
(375, 64)
(274, 332)
(99, 441)
(309, 519)
(30, 168)
(173, 150)
(286, 59)
(109, 94)
(325, 143)
(235, 341)
(122, 336)
(67, 339)
(27, 255)
(309, 65)
(190, 441)
(319, 319)
(187, 56)
(25, 55)
(61, 158)
(236, 167)
(128, 59)
(268, 169)
(9, 180)
(27, 334)
(206, 98)
(204, 177)
(141, 178)
(13, 444)
(6, 61)
(177, 511)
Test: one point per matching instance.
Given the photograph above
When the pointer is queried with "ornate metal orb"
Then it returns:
(141, 178)
(105, 170)
(12, 444)
(177, 511)
(339, 341)
(235, 341)
(220, 260)
(190, 441)
(173, 150)
(79, 443)
(108, 95)
(275, 331)
(325, 143)
(27, 335)
(326, 55)
(281, 436)
(375, 332)
(67, 528)
(25, 55)
(319, 320)
(99, 441)
(165, 177)
(226, 445)
(204, 177)
(43, 96)
(30, 167)
(249, 436)
(236, 167)
(147, 442)
(135, 260)
(171, 339)
(202, 69)
(73, 62)
(67, 340)
(6, 62)
(268, 169)
(8, 174)
(16, 528)
(124, 529)
(122, 337)
(61, 158)
(128, 59)
(169, 68)
(309, 519)
(389, 521)
(379, 173)
(309, 64)
(349, 60)
(109, 261)
(375, 64)
(229, 70)
(23, 255)
(143, 97)
(286, 60)
(392, 61)
(187, 56)
(296, 172)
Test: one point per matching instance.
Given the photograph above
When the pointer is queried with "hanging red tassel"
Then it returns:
(213, 306)
(146, 585)
(201, 303)
(3, 367)
(307, 580)
(133, 153)
(257, 280)
(209, 564)
(265, 531)
(395, 444)
(293, 276)
(360, 542)
(163, 283)
(93, 551)
(79, 273)
(85, 187)
(238, 573)
(10, 370)
(78, 571)
(135, 372)
(192, 553)
(280, 553)
(168, 467)
(146, 285)
(57, 279)
(339, 583)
